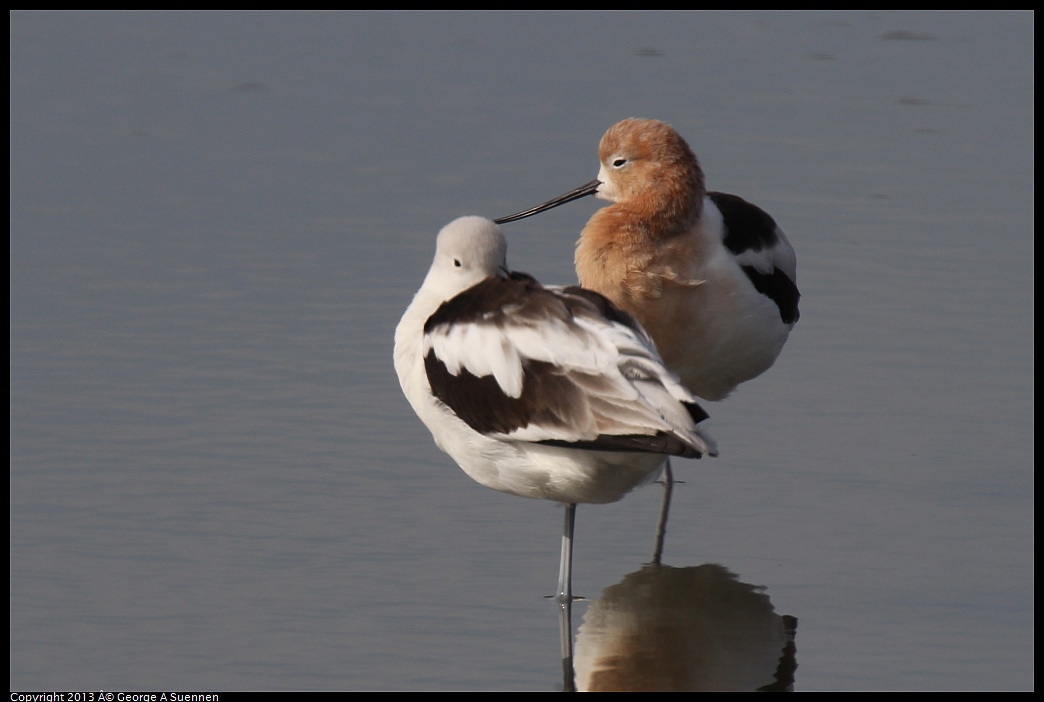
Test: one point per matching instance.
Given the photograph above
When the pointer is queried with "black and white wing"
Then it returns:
(520, 362)
(762, 251)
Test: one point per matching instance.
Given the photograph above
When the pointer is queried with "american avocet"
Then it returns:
(709, 275)
(539, 392)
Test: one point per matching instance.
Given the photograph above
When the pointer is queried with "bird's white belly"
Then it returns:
(529, 469)
(721, 334)
(540, 471)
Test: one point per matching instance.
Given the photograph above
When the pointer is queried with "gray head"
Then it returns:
(467, 250)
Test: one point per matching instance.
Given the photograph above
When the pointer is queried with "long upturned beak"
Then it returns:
(583, 191)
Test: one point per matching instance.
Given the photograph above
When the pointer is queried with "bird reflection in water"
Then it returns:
(695, 628)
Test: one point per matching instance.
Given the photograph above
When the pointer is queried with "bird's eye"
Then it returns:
(619, 162)
(457, 263)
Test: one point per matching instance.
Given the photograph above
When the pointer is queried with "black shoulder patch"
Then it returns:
(696, 412)
(747, 226)
(604, 305)
(520, 277)
(779, 288)
(476, 302)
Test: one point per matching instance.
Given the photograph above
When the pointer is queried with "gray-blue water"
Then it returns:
(217, 219)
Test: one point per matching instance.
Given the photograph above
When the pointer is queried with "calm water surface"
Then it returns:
(217, 219)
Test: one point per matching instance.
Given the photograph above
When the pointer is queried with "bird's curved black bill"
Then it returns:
(582, 191)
